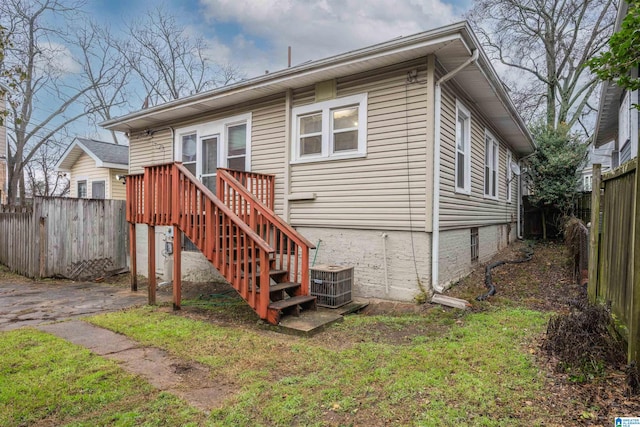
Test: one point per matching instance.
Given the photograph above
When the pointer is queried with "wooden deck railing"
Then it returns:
(292, 249)
(170, 195)
(262, 186)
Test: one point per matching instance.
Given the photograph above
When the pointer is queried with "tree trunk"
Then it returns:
(544, 225)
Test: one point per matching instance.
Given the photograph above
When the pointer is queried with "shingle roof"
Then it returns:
(106, 151)
(105, 154)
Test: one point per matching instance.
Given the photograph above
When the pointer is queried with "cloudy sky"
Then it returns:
(254, 34)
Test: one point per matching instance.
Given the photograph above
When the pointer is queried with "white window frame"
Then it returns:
(325, 108)
(214, 128)
(587, 182)
(509, 175)
(461, 110)
(79, 179)
(495, 162)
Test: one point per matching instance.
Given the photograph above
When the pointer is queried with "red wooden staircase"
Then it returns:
(259, 254)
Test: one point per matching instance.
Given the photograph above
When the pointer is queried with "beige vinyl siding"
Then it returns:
(85, 169)
(115, 186)
(145, 150)
(386, 189)
(461, 210)
(268, 145)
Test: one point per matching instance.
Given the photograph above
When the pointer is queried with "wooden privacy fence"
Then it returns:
(64, 237)
(614, 254)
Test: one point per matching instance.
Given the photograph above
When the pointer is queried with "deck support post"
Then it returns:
(177, 267)
(133, 267)
(151, 233)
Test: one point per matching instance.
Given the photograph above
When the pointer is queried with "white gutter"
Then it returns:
(435, 235)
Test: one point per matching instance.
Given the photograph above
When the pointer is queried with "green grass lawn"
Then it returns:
(48, 381)
(442, 367)
(476, 370)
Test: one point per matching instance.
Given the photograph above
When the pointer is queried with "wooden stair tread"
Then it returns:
(274, 272)
(289, 302)
(283, 286)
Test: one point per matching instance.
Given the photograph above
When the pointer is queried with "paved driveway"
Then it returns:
(33, 303)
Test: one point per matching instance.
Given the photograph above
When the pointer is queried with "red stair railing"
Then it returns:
(292, 249)
(170, 195)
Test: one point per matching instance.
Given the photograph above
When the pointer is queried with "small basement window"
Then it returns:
(475, 245)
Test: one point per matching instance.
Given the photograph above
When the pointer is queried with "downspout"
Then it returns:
(435, 235)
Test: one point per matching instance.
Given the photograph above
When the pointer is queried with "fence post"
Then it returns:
(634, 335)
(594, 233)
(43, 248)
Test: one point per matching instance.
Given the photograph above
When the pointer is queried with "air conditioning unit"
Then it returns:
(331, 284)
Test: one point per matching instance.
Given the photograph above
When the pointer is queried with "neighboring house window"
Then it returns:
(624, 120)
(97, 190)
(586, 185)
(334, 129)
(82, 189)
(491, 151)
(509, 175)
(463, 149)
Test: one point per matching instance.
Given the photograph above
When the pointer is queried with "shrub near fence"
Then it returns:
(65, 237)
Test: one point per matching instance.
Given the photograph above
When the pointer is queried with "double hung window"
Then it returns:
(331, 129)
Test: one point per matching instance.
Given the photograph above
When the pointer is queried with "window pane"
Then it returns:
(237, 139)
(487, 177)
(345, 141)
(210, 183)
(82, 189)
(236, 163)
(209, 155)
(191, 167)
(494, 182)
(311, 124)
(310, 145)
(460, 171)
(460, 133)
(345, 119)
(97, 190)
(189, 148)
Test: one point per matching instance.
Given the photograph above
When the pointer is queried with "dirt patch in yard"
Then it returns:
(546, 283)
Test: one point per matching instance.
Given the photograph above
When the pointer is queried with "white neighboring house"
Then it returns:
(395, 158)
(601, 155)
(617, 118)
(94, 168)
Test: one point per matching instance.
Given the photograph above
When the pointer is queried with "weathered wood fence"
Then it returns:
(614, 263)
(64, 237)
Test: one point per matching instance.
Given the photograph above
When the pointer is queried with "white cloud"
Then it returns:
(319, 28)
(57, 57)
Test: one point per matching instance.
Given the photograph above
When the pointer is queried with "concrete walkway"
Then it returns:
(54, 308)
(189, 380)
(34, 303)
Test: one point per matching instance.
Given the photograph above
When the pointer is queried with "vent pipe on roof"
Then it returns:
(289, 57)
(435, 235)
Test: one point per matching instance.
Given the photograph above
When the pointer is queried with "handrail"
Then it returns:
(261, 185)
(292, 249)
(224, 209)
(264, 210)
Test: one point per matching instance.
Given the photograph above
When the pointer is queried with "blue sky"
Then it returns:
(254, 34)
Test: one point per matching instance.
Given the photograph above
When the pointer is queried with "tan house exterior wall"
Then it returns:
(386, 189)
(473, 210)
(373, 212)
(85, 169)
